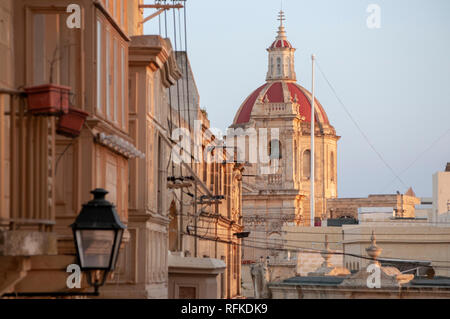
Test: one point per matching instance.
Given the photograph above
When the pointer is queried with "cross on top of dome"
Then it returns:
(281, 39)
(281, 17)
(281, 31)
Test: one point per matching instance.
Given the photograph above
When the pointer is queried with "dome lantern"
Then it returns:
(281, 56)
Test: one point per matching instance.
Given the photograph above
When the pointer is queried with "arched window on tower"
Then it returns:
(204, 164)
(275, 149)
(278, 66)
(332, 172)
(295, 161)
(307, 164)
(271, 66)
(286, 66)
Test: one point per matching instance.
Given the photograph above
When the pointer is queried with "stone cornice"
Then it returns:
(156, 53)
(148, 50)
(146, 216)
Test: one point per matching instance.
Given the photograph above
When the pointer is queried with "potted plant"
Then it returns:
(71, 123)
(48, 99)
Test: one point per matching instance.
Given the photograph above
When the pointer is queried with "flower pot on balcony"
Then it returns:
(70, 124)
(48, 99)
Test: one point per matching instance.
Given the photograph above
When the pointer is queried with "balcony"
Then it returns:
(275, 179)
(27, 168)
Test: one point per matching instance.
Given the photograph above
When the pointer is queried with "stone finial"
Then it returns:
(389, 276)
(266, 99)
(326, 253)
(260, 99)
(327, 268)
(373, 251)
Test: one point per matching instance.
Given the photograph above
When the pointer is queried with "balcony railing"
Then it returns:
(275, 179)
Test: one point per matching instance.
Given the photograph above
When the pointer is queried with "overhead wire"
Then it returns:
(318, 251)
(359, 128)
(351, 234)
(419, 156)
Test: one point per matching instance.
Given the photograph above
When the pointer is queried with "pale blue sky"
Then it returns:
(395, 80)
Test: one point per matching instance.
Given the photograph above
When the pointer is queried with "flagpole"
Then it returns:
(312, 179)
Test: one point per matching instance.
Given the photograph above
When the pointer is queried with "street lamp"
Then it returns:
(97, 233)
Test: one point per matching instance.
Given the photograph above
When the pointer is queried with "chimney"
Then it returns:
(447, 168)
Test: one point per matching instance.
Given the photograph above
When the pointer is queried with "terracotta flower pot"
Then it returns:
(70, 124)
(48, 99)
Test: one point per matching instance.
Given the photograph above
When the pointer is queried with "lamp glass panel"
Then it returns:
(95, 247)
(119, 234)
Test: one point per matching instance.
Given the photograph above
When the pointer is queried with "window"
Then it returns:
(205, 165)
(108, 75)
(117, 10)
(112, 70)
(99, 65)
(122, 85)
(122, 12)
(295, 160)
(116, 82)
(286, 66)
(332, 173)
(275, 149)
(211, 174)
(223, 180)
(307, 164)
(278, 66)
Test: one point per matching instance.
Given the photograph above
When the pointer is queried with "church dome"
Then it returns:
(281, 86)
(281, 44)
(281, 92)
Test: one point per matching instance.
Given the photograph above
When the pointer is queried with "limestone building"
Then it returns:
(400, 205)
(119, 78)
(277, 183)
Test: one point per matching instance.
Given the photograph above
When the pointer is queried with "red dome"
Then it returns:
(274, 92)
(281, 44)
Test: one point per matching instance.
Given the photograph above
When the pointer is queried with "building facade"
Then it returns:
(57, 172)
(401, 205)
(205, 209)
